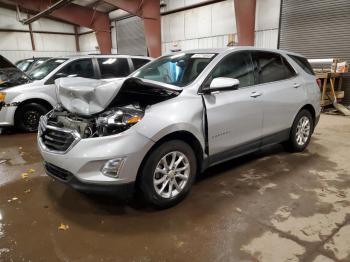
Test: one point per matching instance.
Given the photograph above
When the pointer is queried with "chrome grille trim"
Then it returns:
(43, 126)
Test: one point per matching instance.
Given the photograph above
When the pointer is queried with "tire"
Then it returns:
(180, 181)
(28, 115)
(301, 132)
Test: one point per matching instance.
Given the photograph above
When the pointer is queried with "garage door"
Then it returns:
(316, 29)
(130, 36)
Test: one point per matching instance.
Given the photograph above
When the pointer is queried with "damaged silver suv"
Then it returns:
(175, 117)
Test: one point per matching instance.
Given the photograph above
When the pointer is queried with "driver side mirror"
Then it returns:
(222, 84)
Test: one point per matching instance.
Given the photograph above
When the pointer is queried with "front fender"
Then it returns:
(27, 96)
(178, 114)
(8, 112)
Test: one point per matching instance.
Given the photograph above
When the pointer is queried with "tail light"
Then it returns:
(319, 82)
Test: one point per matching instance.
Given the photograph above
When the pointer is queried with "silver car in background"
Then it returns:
(177, 116)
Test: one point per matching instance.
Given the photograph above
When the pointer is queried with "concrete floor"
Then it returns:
(270, 206)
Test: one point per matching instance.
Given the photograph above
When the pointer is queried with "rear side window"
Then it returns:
(113, 67)
(303, 63)
(139, 62)
(271, 67)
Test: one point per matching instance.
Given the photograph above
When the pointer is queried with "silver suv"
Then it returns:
(175, 117)
(22, 105)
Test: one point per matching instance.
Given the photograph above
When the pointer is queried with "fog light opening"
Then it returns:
(112, 167)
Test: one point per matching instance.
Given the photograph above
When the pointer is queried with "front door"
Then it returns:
(234, 116)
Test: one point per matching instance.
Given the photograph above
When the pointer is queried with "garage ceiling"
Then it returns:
(99, 5)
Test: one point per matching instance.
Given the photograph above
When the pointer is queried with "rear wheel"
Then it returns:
(168, 174)
(301, 132)
(28, 116)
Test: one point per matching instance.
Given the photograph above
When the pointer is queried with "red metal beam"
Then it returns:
(245, 21)
(149, 10)
(79, 15)
(31, 34)
(76, 36)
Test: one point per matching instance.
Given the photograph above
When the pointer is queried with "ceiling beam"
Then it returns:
(13, 8)
(47, 11)
(78, 15)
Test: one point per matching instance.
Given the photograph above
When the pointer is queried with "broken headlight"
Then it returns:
(117, 120)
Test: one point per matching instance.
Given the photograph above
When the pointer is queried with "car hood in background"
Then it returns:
(10, 75)
(89, 96)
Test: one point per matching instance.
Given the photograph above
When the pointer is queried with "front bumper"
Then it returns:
(83, 162)
(123, 190)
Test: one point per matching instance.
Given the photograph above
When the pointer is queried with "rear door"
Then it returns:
(281, 94)
(234, 116)
(112, 68)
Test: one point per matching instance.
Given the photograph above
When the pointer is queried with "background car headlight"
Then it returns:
(2, 96)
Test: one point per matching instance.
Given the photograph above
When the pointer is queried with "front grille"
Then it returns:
(56, 139)
(57, 172)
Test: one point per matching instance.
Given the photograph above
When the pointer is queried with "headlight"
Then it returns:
(2, 96)
(118, 120)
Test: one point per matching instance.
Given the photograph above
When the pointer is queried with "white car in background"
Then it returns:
(21, 106)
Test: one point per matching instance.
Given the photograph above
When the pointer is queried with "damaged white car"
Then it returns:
(176, 116)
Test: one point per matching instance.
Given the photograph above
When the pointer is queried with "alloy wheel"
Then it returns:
(303, 130)
(171, 174)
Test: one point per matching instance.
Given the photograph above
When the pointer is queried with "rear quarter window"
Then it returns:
(303, 63)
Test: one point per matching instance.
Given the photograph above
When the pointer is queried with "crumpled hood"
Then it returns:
(86, 97)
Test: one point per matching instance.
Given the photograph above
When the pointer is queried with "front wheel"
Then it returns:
(168, 174)
(302, 129)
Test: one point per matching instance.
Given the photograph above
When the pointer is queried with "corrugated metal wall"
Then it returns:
(17, 45)
(131, 37)
(266, 38)
(203, 27)
(317, 29)
(210, 26)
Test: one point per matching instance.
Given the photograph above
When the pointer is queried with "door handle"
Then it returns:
(255, 94)
(296, 85)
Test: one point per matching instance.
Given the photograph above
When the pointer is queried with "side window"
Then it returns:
(238, 66)
(79, 68)
(139, 62)
(113, 67)
(271, 67)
